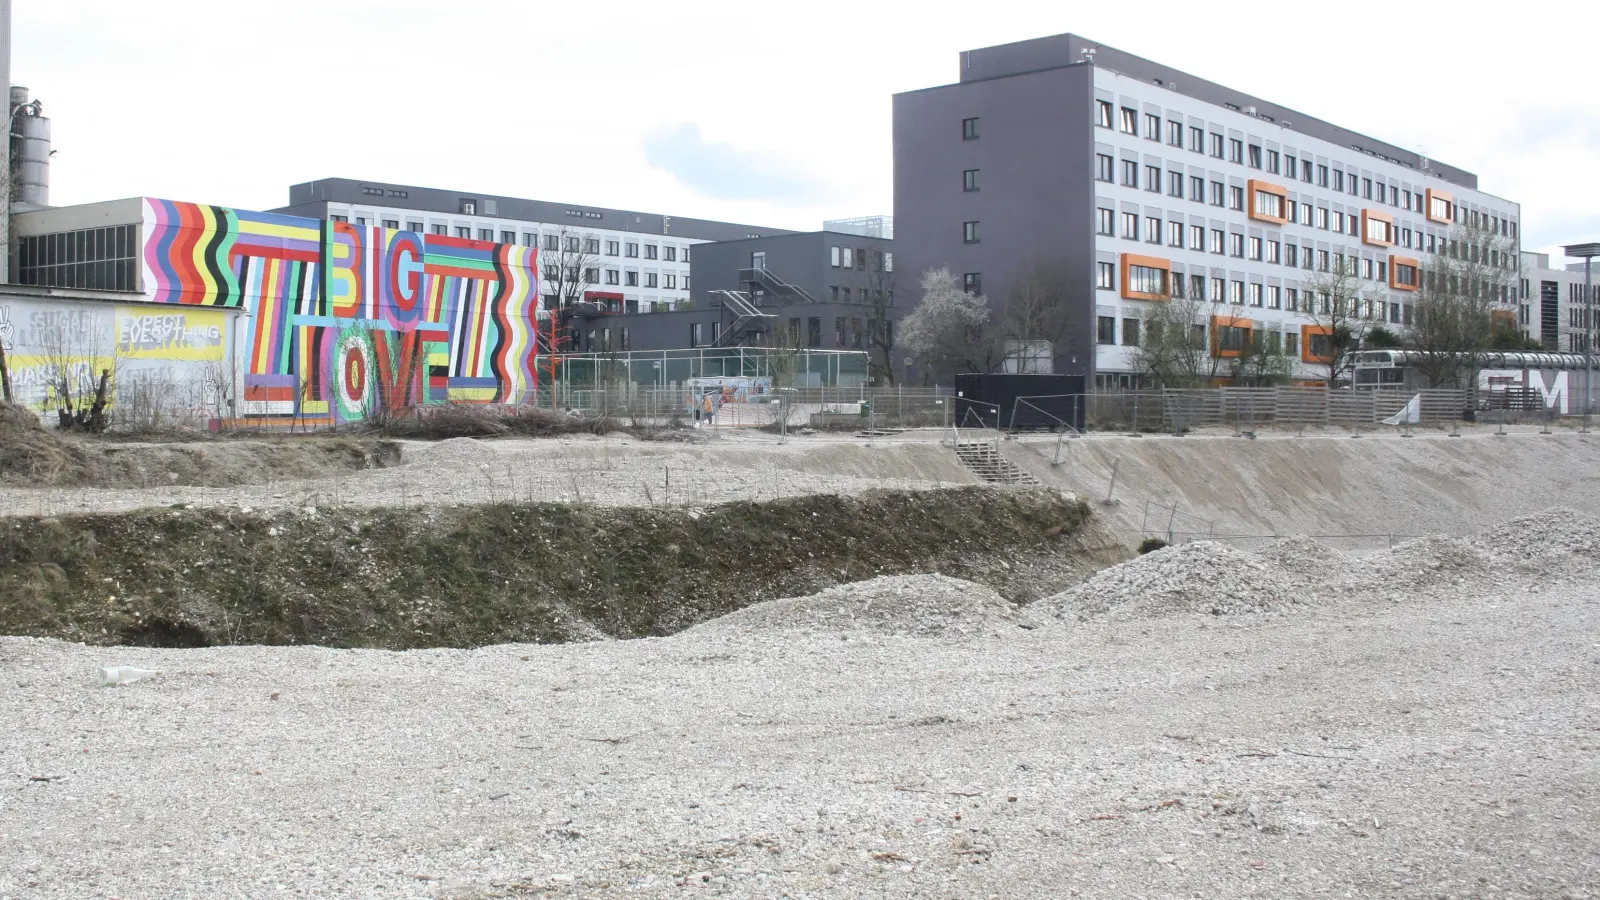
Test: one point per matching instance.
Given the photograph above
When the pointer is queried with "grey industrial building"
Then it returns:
(1136, 182)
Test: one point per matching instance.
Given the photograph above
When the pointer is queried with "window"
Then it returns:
(1272, 161)
(1130, 173)
(1105, 276)
(1152, 229)
(1216, 193)
(1235, 150)
(1130, 332)
(485, 234)
(1197, 189)
(969, 234)
(1269, 204)
(847, 255)
(969, 129)
(1147, 280)
(1129, 121)
(670, 254)
(833, 257)
(441, 229)
(1289, 164)
(1216, 145)
(1305, 170)
(1103, 166)
(1106, 333)
(1152, 178)
(969, 179)
(1130, 226)
(591, 276)
(613, 248)
(632, 250)
(1291, 300)
(391, 223)
(1338, 222)
(463, 231)
(1236, 293)
(1255, 294)
(1322, 260)
(696, 334)
(1218, 289)
(1197, 139)
(1338, 180)
(1366, 269)
(591, 245)
(571, 244)
(1175, 234)
(650, 251)
(1254, 251)
(1272, 251)
(1175, 184)
(1274, 297)
(1235, 197)
(971, 282)
(1406, 275)
(1366, 188)
(1197, 237)
(1177, 285)
(1217, 239)
(1322, 217)
(685, 254)
(1102, 113)
(1104, 221)
(631, 279)
(1322, 176)
(613, 276)
(1255, 157)
(888, 261)
(1174, 133)
(1236, 244)
(1152, 127)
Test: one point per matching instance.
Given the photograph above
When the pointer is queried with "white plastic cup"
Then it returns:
(115, 675)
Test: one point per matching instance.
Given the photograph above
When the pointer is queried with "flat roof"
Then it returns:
(448, 202)
(1061, 50)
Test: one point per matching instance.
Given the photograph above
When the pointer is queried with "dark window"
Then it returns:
(969, 232)
(969, 129)
(1107, 330)
(813, 332)
(391, 223)
(969, 180)
(1130, 332)
(414, 226)
(972, 283)
(1103, 166)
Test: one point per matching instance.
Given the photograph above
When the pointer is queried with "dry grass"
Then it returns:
(455, 420)
(30, 454)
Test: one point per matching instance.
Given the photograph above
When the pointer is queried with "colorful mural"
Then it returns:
(342, 319)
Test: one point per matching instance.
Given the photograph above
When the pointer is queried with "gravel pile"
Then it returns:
(916, 605)
(1556, 540)
(1199, 577)
(1424, 562)
(1306, 562)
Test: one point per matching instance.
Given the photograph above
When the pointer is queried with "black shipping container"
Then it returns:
(1049, 401)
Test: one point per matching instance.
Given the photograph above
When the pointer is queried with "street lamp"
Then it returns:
(1587, 253)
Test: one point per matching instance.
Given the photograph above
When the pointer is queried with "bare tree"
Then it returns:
(1452, 315)
(1036, 322)
(571, 268)
(880, 321)
(7, 330)
(1341, 308)
(81, 360)
(947, 328)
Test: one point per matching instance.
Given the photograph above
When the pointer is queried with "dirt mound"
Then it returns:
(1556, 540)
(1306, 562)
(919, 605)
(31, 455)
(1200, 577)
(465, 576)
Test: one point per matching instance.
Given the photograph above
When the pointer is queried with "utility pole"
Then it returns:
(1587, 253)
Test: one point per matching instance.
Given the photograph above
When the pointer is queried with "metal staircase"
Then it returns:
(744, 312)
(760, 280)
(983, 459)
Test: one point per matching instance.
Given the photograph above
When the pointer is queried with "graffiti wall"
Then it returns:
(339, 320)
(60, 347)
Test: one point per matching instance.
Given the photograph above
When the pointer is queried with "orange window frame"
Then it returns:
(1375, 216)
(1220, 322)
(1306, 331)
(1270, 188)
(1129, 260)
(1428, 196)
(1394, 281)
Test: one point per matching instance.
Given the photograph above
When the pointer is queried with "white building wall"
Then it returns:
(1413, 229)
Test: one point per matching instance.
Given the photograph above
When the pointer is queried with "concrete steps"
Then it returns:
(984, 461)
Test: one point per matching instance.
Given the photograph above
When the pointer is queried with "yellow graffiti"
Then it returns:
(176, 334)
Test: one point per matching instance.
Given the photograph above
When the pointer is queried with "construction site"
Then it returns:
(878, 660)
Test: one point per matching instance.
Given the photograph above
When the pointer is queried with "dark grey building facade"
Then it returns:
(827, 266)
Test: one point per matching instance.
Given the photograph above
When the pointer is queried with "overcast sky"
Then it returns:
(763, 113)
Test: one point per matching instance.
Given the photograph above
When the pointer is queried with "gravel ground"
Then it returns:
(615, 470)
(1436, 742)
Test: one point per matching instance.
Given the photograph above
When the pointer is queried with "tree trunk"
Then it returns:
(97, 413)
(5, 377)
